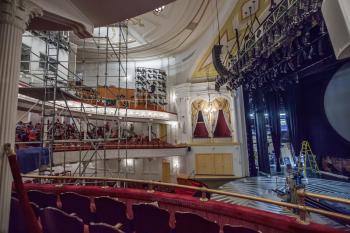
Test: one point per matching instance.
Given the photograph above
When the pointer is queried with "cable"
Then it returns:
(217, 19)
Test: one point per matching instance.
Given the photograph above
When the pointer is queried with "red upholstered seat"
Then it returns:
(42, 199)
(17, 222)
(36, 209)
(192, 223)
(78, 204)
(102, 228)
(150, 219)
(56, 221)
(190, 182)
(14, 194)
(111, 211)
(238, 229)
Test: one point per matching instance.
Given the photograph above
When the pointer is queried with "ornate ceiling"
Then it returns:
(175, 28)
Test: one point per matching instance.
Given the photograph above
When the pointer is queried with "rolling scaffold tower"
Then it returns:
(63, 92)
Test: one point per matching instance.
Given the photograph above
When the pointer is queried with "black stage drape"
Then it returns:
(272, 100)
(290, 99)
(313, 122)
(252, 168)
(261, 135)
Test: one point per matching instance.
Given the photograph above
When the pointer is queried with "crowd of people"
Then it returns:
(28, 132)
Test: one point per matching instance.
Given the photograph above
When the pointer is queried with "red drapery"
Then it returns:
(201, 130)
(221, 129)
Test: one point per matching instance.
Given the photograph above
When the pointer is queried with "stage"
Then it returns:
(263, 186)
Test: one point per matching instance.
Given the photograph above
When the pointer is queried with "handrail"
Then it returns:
(302, 208)
(325, 197)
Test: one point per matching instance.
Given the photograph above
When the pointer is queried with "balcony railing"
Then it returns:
(301, 194)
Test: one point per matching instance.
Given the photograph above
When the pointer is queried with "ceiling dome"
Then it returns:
(162, 32)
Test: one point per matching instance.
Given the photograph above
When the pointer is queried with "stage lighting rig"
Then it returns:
(283, 43)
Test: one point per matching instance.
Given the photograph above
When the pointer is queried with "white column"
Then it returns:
(235, 117)
(241, 131)
(119, 130)
(149, 131)
(14, 14)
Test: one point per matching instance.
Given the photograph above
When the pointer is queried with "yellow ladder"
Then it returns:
(309, 156)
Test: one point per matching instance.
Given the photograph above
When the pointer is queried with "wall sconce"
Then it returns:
(176, 164)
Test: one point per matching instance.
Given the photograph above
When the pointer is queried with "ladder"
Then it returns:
(309, 157)
(49, 115)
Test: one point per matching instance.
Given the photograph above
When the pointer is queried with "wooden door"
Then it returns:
(205, 164)
(226, 167)
(163, 132)
(214, 164)
(166, 171)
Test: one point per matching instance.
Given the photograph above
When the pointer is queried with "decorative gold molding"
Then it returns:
(204, 66)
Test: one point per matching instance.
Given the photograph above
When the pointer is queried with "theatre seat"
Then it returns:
(238, 229)
(150, 219)
(102, 228)
(14, 194)
(42, 199)
(78, 204)
(111, 211)
(192, 223)
(36, 209)
(56, 221)
(17, 222)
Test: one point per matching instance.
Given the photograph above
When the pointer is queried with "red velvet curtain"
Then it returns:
(200, 131)
(221, 129)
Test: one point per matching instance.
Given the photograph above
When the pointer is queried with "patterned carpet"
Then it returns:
(262, 186)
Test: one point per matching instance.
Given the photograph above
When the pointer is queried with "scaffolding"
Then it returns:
(58, 83)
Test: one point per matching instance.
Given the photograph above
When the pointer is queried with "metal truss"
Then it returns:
(279, 26)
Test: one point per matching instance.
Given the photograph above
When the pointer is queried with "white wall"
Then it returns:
(145, 169)
(38, 46)
(26, 117)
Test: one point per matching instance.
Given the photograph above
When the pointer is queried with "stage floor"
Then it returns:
(262, 186)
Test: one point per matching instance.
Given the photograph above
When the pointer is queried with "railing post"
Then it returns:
(150, 188)
(302, 213)
(203, 195)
